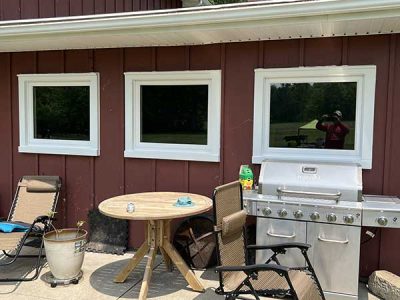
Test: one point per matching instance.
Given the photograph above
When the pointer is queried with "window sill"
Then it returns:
(60, 150)
(173, 155)
(365, 163)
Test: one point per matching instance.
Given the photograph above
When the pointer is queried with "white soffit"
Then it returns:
(261, 20)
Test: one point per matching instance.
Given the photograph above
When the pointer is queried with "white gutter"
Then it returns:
(193, 24)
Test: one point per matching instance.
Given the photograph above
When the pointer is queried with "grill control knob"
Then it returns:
(298, 214)
(331, 217)
(282, 213)
(382, 221)
(348, 219)
(266, 211)
(314, 216)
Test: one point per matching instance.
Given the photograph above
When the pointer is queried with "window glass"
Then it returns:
(61, 112)
(313, 115)
(174, 114)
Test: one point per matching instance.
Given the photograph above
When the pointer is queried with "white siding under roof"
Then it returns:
(254, 21)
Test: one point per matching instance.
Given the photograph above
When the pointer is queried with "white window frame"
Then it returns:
(365, 76)
(137, 149)
(30, 144)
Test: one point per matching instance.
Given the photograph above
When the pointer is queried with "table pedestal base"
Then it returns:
(158, 237)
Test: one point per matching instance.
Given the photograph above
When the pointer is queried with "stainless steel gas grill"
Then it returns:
(319, 204)
(381, 211)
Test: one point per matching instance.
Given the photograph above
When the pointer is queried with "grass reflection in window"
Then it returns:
(61, 112)
(174, 114)
(313, 115)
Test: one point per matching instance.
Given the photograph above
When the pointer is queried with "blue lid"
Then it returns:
(184, 201)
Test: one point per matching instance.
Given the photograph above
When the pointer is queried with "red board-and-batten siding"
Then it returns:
(32, 9)
(87, 180)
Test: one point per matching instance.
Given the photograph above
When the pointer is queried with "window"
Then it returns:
(173, 115)
(59, 113)
(314, 113)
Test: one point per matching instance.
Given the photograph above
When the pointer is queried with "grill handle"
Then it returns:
(320, 238)
(335, 196)
(281, 235)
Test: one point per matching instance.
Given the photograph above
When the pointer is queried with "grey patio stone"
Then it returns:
(97, 283)
(385, 284)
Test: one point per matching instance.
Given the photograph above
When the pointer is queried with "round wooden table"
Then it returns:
(157, 209)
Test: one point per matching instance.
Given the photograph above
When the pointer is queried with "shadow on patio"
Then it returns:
(164, 285)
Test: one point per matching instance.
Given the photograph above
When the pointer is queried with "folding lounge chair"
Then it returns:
(269, 279)
(35, 197)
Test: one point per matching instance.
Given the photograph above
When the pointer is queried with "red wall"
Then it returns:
(87, 181)
(32, 9)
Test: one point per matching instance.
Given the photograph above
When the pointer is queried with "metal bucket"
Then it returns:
(65, 250)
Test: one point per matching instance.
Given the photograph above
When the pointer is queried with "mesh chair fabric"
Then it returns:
(10, 241)
(228, 200)
(30, 205)
(270, 281)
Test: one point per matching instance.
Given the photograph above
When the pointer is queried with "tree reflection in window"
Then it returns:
(174, 114)
(304, 115)
(61, 112)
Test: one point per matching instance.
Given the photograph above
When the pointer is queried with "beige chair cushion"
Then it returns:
(41, 186)
(233, 223)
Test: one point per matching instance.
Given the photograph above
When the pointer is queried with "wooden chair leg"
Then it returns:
(182, 267)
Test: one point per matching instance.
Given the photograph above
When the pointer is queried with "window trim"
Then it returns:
(30, 144)
(136, 149)
(365, 76)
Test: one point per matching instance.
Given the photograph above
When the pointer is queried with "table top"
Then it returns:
(154, 206)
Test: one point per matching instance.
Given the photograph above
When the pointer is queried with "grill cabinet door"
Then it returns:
(334, 255)
(274, 231)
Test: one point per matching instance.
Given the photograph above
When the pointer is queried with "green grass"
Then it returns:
(175, 138)
(279, 130)
(65, 136)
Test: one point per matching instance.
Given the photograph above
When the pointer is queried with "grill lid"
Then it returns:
(332, 181)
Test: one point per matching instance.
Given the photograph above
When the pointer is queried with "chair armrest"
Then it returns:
(43, 219)
(205, 235)
(273, 247)
(254, 268)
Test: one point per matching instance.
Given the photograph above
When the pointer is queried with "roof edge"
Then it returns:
(202, 19)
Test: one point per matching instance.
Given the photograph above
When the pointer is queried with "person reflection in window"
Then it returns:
(336, 131)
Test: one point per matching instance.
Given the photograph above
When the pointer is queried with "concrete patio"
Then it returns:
(97, 282)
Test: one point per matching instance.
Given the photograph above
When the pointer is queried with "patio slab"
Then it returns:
(97, 282)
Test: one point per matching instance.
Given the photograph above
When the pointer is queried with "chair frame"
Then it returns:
(46, 221)
(191, 239)
(251, 271)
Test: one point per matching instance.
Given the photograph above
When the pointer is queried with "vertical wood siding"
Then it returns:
(87, 180)
(33, 9)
